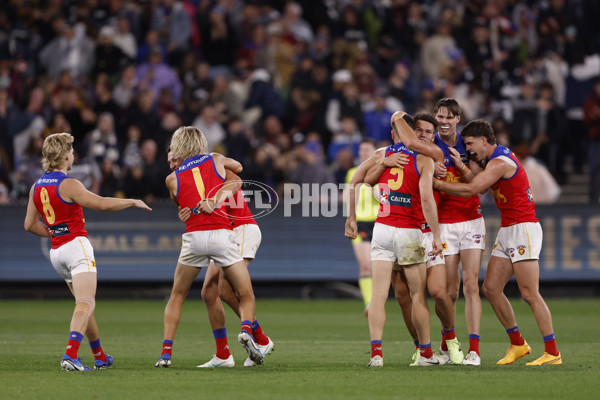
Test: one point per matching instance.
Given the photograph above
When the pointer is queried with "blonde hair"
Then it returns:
(55, 150)
(188, 141)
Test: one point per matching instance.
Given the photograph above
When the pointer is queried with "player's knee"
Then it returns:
(529, 295)
(85, 304)
(471, 288)
(210, 294)
(453, 294)
(489, 291)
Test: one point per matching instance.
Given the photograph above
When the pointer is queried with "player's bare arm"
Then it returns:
(32, 219)
(410, 139)
(396, 160)
(171, 182)
(229, 163)
(72, 190)
(494, 170)
(428, 204)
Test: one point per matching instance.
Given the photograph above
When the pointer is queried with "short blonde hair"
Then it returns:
(188, 141)
(55, 150)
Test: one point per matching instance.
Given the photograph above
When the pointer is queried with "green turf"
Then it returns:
(322, 348)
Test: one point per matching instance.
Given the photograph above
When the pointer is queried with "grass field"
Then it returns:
(321, 352)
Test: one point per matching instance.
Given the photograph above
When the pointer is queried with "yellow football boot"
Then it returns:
(547, 359)
(514, 353)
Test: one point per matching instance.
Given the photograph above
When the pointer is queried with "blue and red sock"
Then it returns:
(167, 347)
(550, 344)
(259, 336)
(376, 348)
(75, 339)
(443, 345)
(448, 334)
(416, 342)
(474, 343)
(247, 327)
(425, 350)
(222, 345)
(97, 350)
(515, 336)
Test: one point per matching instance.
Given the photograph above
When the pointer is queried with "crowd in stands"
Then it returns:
(288, 88)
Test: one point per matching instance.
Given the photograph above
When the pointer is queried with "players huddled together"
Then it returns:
(427, 224)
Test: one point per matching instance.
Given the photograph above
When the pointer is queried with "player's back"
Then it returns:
(198, 179)
(64, 220)
(400, 196)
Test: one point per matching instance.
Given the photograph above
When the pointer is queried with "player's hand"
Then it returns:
(351, 228)
(141, 204)
(396, 116)
(396, 160)
(436, 246)
(440, 171)
(455, 155)
(207, 206)
(184, 214)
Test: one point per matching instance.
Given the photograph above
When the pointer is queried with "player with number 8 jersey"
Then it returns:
(59, 200)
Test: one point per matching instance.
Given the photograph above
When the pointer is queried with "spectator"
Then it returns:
(348, 137)
(209, 124)
(544, 188)
(377, 121)
(219, 43)
(110, 59)
(72, 51)
(173, 23)
(156, 75)
(102, 142)
(591, 117)
(435, 52)
(124, 39)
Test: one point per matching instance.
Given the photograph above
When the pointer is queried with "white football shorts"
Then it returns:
(519, 242)
(463, 236)
(248, 238)
(405, 246)
(200, 247)
(73, 258)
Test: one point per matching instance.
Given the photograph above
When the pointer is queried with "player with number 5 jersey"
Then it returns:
(58, 199)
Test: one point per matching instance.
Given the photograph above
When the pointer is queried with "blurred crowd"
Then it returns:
(288, 88)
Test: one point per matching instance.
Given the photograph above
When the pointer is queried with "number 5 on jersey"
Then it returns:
(395, 184)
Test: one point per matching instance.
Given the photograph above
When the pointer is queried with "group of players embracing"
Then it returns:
(221, 234)
(430, 221)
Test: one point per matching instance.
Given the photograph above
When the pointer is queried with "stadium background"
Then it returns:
(273, 93)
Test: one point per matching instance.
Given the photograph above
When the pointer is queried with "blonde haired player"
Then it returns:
(199, 184)
(58, 199)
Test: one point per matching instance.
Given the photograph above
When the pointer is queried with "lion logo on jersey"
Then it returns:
(450, 177)
(500, 198)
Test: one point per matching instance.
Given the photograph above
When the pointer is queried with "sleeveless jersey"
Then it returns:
(239, 213)
(367, 206)
(400, 197)
(453, 209)
(197, 179)
(65, 220)
(513, 195)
